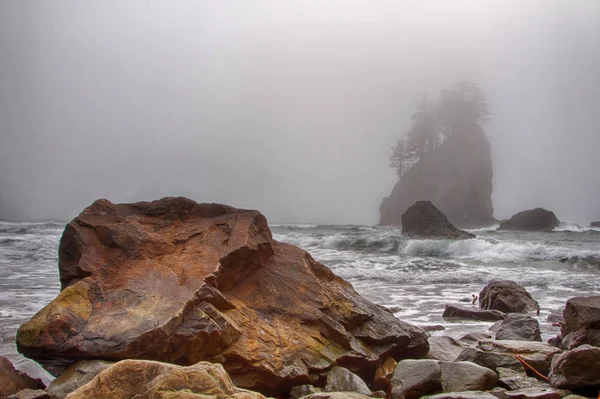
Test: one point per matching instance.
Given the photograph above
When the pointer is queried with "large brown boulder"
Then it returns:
(582, 313)
(148, 379)
(424, 220)
(577, 369)
(180, 282)
(537, 219)
(506, 296)
(456, 177)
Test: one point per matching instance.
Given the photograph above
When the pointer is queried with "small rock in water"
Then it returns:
(506, 296)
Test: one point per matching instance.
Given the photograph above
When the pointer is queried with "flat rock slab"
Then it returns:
(181, 282)
(536, 393)
(460, 312)
(537, 354)
(462, 395)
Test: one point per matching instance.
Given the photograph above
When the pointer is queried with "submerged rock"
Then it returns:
(537, 219)
(180, 282)
(424, 220)
(149, 379)
(506, 296)
(456, 177)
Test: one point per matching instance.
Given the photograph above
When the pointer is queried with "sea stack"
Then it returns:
(537, 219)
(456, 177)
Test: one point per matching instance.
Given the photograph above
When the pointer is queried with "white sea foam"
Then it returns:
(570, 226)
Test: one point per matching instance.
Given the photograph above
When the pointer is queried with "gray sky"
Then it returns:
(289, 107)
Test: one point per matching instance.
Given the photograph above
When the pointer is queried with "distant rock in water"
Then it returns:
(537, 219)
(424, 220)
(456, 177)
(180, 282)
(507, 296)
(595, 224)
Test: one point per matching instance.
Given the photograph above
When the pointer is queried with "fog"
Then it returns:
(289, 107)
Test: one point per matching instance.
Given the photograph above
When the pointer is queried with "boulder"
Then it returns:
(13, 381)
(506, 296)
(336, 395)
(340, 379)
(517, 327)
(462, 395)
(466, 376)
(444, 348)
(149, 379)
(456, 177)
(582, 337)
(460, 312)
(31, 394)
(537, 219)
(180, 282)
(413, 379)
(424, 220)
(76, 376)
(537, 354)
(536, 393)
(384, 373)
(595, 224)
(303, 390)
(582, 313)
(513, 380)
(475, 337)
(577, 369)
(490, 360)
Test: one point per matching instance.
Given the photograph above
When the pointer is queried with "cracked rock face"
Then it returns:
(180, 282)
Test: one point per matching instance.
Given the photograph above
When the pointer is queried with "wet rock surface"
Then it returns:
(506, 296)
(537, 219)
(517, 327)
(424, 220)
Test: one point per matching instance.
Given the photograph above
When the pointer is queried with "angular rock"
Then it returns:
(517, 327)
(466, 376)
(462, 395)
(513, 380)
(490, 360)
(337, 395)
(413, 379)
(32, 394)
(506, 296)
(444, 348)
(384, 373)
(144, 378)
(180, 282)
(537, 354)
(340, 379)
(76, 376)
(303, 390)
(459, 312)
(474, 338)
(456, 177)
(582, 313)
(13, 381)
(577, 369)
(582, 337)
(424, 220)
(536, 393)
(537, 219)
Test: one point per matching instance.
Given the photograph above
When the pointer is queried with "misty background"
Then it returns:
(289, 107)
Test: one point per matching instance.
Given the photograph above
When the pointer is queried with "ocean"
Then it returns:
(414, 278)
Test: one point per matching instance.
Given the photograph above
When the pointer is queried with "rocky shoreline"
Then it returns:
(174, 299)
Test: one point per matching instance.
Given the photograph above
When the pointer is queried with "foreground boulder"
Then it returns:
(13, 381)
(180, 282)
(340, 379)
(582, 313)
(413, 379)
(537, 354)
(149, 379)
(577, 369)
(424, 220)
(466, 376)
(537, 219)
(506, 296)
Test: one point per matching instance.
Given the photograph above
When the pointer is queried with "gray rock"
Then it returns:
(340, 379)
(460, 312)
(466, 376)
(303, 390)
(555, 317)
(582, 313)
(517, 327)
(463, 395)
(444, 348)
(424, 220)
(537, 219)
(32, 394)
(513, 380)
(413, 379)
(475, 337)
(490, 360)
(337, 395)
(76, 375)
(537, 354)
(498, 392)
(537, 393)
(577, 369)
(582, 337)
(506, 296)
